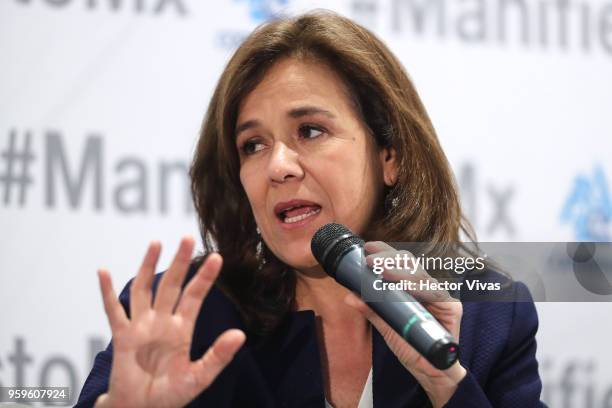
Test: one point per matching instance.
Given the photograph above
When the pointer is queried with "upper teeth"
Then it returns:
(300, 217)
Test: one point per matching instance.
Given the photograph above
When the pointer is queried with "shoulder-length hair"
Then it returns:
(426, 202)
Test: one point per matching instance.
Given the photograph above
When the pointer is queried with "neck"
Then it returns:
(317, 291)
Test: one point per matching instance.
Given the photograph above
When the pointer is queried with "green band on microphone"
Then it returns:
(408, 325)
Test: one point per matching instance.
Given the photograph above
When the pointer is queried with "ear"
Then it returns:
(389, 162)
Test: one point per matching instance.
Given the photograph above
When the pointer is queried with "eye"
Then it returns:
(251, 147)
(310, 131)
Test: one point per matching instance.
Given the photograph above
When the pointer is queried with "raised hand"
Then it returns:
(151, 365)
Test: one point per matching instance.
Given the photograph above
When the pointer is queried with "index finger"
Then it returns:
(373, 247)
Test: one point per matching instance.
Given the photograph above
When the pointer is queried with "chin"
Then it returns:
(302, 262)
(298, 256)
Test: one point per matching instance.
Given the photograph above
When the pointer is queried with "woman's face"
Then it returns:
(306, 158)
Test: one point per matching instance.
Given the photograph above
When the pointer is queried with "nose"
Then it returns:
(284, 164)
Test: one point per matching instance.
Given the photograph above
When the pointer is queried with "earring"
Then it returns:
(260, 249)
(391, 202)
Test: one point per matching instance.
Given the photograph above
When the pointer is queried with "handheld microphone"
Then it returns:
(342, 256)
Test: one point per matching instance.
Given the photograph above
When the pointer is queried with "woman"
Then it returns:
(313, 121)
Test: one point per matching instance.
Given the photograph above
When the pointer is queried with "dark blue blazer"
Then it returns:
(497, 342)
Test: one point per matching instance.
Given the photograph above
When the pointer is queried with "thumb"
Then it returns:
(217, 357)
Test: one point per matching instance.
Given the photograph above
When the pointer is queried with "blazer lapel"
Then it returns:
(292, 363)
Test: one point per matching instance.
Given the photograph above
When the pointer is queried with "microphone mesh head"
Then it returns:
(324, 237)
(330, 242)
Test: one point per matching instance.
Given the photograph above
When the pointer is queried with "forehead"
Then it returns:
(292, 82)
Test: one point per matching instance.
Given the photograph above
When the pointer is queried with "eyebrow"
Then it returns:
(293, 113)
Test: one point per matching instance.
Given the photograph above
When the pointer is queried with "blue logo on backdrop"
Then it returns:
(262, 10)
(589, 207)
(259, 12)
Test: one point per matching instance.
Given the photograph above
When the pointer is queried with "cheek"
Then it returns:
(354, 178)
(253, 188)
(354, 189)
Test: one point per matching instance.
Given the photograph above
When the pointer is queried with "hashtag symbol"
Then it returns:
(13, 157)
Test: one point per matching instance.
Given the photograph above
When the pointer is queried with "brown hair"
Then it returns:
(427, 205)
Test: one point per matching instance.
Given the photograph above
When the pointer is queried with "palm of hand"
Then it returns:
(151, 351)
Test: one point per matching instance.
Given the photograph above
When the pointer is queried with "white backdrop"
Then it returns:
(100, 106)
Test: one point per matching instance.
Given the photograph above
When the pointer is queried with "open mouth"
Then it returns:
(292, 212)
(298, 214)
